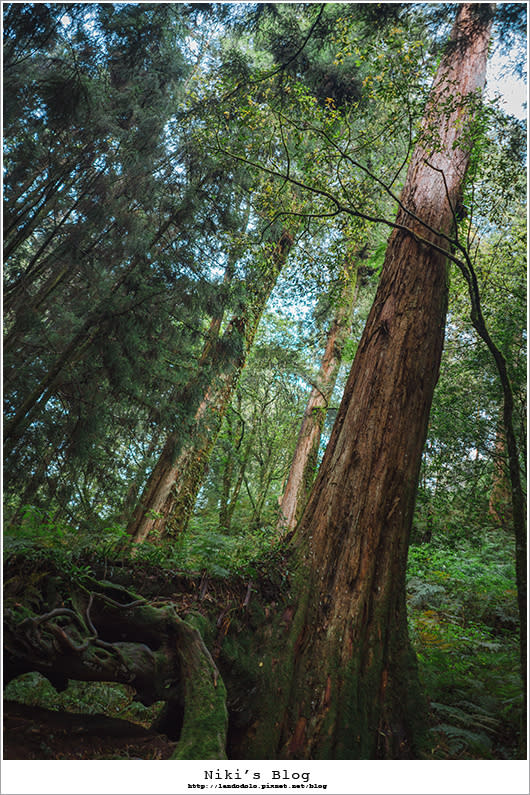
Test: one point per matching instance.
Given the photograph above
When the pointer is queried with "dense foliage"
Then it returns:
(155, 158)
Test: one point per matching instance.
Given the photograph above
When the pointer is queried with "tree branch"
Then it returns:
(283, 66)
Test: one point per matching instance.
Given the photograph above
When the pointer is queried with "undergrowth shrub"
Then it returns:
(463, 621)
(39, 535)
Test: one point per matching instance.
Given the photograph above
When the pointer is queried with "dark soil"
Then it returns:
(37, 733)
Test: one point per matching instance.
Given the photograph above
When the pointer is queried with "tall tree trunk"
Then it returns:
(265, 479)
(131, 497)
(132, 501)
(235, 439)
(303, 465)
(171, 491)
(350, 689)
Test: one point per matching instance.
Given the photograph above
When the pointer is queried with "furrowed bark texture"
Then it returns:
(303, 465)
(350, 687)
(169, 496)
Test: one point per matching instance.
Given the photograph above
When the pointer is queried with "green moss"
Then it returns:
(202, 624)
(203, 734)
(205, 722)
(357, 721)
(275, 661)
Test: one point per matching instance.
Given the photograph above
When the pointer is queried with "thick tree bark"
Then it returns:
(303, 464)
(171, 491)
(350, 687)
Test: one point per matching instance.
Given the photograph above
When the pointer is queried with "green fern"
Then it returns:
(473, 716)
(461, 740)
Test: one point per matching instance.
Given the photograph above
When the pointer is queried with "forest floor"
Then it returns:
(463, 624)
(32, 732)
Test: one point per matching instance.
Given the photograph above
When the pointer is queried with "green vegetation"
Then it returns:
(464, 626)
(461, 597)
(92, 698)
(188, 189)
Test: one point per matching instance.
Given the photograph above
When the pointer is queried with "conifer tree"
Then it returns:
(169, 496)
(350, 687)
(304, 461)
(108, 237)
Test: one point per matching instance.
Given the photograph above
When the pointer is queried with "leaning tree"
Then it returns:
(338, 675)
(346, 685)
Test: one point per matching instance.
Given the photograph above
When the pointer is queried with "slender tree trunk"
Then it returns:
(224, 518)
(28, 496)
(40, 207)
(228, 472)
(500, 502)
(156, 492)
(132, 503)
(171, 491)
(229, 504)
(518, 503)
(15, 427)
(37, 399)
(58, 274)
(149, 508)
(131, 497)
(349, 686)
(266, 476)
(54, 233)
(303, 465)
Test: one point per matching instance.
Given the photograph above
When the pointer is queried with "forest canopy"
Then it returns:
(264, 381)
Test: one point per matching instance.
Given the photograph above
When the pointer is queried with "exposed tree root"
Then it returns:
(105, 633)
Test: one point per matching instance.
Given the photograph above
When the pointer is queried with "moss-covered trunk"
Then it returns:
(169, 496)
(349, 685)
(108, 634)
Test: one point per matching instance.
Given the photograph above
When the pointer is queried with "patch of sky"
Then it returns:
(291, 303)
(507, 81)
